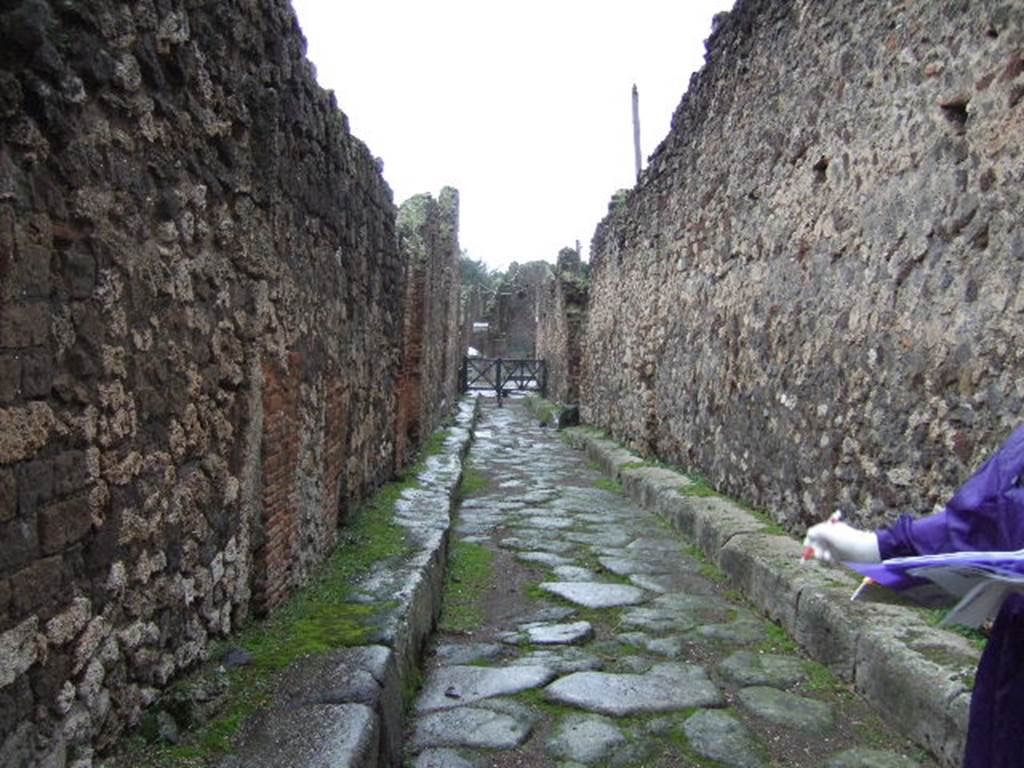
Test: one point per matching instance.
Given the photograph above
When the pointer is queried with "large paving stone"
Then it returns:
(561, 660)
(666, 687)
(665, 546)
(676, 612)
(471, 727)
(626, 566)
(549, 559)
(585, 739)
(552, 523)
(574, 573)
(442, 758)
(670, 647)
(457, 686)
(780, 708)
(719, 736)
(686, 582)
(530, 543)
(740, 632)
(748, 668)
(595, 594)
(467, 653)
(559, 634)
(610, 538)
(869, 758)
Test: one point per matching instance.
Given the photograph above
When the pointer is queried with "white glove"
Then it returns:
(838, 542)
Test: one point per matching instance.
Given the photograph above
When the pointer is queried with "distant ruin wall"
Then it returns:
(561, 320)
(814, 297)
(431, 356)
(199, 346)
(512, 318)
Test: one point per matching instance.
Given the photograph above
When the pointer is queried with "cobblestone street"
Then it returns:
(606, 640)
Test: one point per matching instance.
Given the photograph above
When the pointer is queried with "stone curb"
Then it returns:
(919, 677)
(346, 708)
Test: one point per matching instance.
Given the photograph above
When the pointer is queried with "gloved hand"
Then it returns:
(839, 542)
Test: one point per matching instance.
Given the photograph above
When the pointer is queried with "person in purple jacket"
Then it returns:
(985, 515)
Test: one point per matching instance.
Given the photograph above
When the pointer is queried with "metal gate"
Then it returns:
(504, 376)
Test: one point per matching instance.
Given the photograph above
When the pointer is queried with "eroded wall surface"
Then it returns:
(200, 337)
(432, 343)
(561, 319)
(512, 316)
(814, 295)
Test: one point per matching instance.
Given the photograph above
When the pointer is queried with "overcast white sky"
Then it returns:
(523, 106)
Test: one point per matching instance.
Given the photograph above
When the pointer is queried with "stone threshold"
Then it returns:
(919, 677)
(346, 708)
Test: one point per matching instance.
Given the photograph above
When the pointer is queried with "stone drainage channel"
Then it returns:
(607, 639)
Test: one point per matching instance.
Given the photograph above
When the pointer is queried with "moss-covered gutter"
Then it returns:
(346, 707)
(326, 676)
(919, 676)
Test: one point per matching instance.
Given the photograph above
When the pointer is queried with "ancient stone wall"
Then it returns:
(561, 320)
(432, 354)
(814, 296)
(199, 346)
(512, 318)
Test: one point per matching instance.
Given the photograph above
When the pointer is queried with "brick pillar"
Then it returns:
(280, 494)
(335, 452)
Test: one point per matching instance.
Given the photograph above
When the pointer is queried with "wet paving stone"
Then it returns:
(472, 727)
(467, 653)
(719, 736)
(442, 758)
(603, 640)
(574, 573)
(456, 686)
(585, 740)
(551, 634)
(563, 661)
(666, 687)
(748, 668)
(622, 566)
(544, 558)
(594, 594)
(787, 709)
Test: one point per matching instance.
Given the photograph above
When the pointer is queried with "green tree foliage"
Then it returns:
(474, 272)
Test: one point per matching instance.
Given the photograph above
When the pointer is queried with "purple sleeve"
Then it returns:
(986, 514)
(915, 536)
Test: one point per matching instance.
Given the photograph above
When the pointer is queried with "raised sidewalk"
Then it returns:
(918, 676)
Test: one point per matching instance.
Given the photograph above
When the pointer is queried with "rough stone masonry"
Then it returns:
(202, 308)
(814, 296)
(561, 319)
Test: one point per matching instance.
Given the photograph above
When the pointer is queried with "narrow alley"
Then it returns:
(593, 634)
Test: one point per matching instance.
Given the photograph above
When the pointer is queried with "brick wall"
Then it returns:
(428, 381)
(201, 308)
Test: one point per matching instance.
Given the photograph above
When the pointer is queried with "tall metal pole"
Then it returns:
(636, 130)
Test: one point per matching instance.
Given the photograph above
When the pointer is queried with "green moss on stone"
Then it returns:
(470, 575)
(473, 480)
(609, 484)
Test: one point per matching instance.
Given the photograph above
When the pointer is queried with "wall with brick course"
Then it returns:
(431, 356)
(201, 315)
(813, 297)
